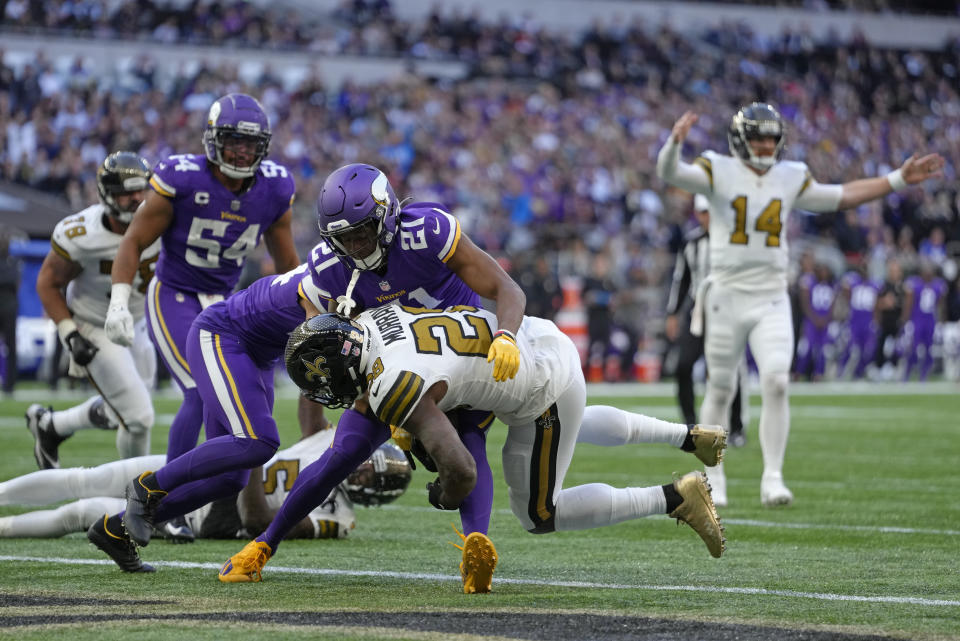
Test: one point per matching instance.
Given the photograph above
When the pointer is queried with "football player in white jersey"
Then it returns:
(74, 287)
(99, 490)
(744, 300)
(415, 364)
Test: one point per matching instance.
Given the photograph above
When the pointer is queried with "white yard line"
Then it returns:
(276, 569)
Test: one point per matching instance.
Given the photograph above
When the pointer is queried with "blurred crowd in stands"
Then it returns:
(545, 152)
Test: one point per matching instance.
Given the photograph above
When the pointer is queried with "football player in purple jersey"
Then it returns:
(210, 212)
(817, 295)
(378, 252)
(922, 308)
(231, 351)
(861, 293)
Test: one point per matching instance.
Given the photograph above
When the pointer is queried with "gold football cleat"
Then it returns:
(698, 511)
(246, 565)
(479, 561)
(709, 442)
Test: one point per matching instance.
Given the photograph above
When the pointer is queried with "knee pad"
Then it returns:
(775, 384)
(720, 394)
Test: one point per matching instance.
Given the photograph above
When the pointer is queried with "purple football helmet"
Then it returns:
(237, 122)
(357, 213)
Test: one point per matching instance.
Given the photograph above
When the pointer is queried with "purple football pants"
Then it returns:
(920, 350)
(170, 312)
(237, 395)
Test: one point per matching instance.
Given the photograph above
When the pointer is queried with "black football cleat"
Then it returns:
(118, 547)
(46, 441)
(142, 502)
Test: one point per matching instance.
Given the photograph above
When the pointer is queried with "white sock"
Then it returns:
(597, 504)
(609, 426)
(66, 422)
(52, 486)
(72, 517)
(774, 423)
(37, 488)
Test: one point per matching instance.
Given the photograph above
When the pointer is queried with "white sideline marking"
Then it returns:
(820, 596)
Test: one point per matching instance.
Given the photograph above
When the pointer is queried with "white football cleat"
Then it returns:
(773, 493)
(718, 484)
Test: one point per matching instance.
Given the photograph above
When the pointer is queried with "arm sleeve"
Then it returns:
(695, 178)
(816, 197)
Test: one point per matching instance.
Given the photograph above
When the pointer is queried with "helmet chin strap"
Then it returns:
(345, 303)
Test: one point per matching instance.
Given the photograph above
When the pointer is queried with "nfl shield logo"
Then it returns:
(234, 205)
(384, 285)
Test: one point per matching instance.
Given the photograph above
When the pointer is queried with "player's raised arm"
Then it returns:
(153, 218)
(673, 170)
(913, 171)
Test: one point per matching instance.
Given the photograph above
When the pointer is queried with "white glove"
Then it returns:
(119, 324)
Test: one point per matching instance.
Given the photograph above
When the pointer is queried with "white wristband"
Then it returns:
(895, 178)
(65, 328)
(120, 295)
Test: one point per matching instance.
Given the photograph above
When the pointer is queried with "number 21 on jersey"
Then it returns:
(768, 221)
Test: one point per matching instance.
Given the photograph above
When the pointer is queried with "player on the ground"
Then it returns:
(210, 212)
(922, 309)
(817, 297)
(74, 287)
(744, 299)
(97, 491)
(415, 364)
(375, 252)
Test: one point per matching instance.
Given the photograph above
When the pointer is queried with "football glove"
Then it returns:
(401, 437)
(505, 355)
(433, 494)
(119, 322)
(80, 348)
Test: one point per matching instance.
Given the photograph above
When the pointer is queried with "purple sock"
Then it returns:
(356, 439)
(185, 428)
(475, 509)
(213, 457)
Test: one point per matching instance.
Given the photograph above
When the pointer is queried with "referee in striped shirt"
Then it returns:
(693, 264)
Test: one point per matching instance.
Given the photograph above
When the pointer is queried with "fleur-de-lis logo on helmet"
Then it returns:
(316, 373)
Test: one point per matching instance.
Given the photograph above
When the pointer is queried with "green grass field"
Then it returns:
(870, 547)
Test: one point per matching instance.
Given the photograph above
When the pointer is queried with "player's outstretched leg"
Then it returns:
(46, 441)
(698, 511)
(706, 442)
(143, 498)
(246, 566)
(110, 538)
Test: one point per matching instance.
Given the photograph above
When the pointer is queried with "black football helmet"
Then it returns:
(756, 120)
(123, 172)
(324, 357)
(381, 478)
